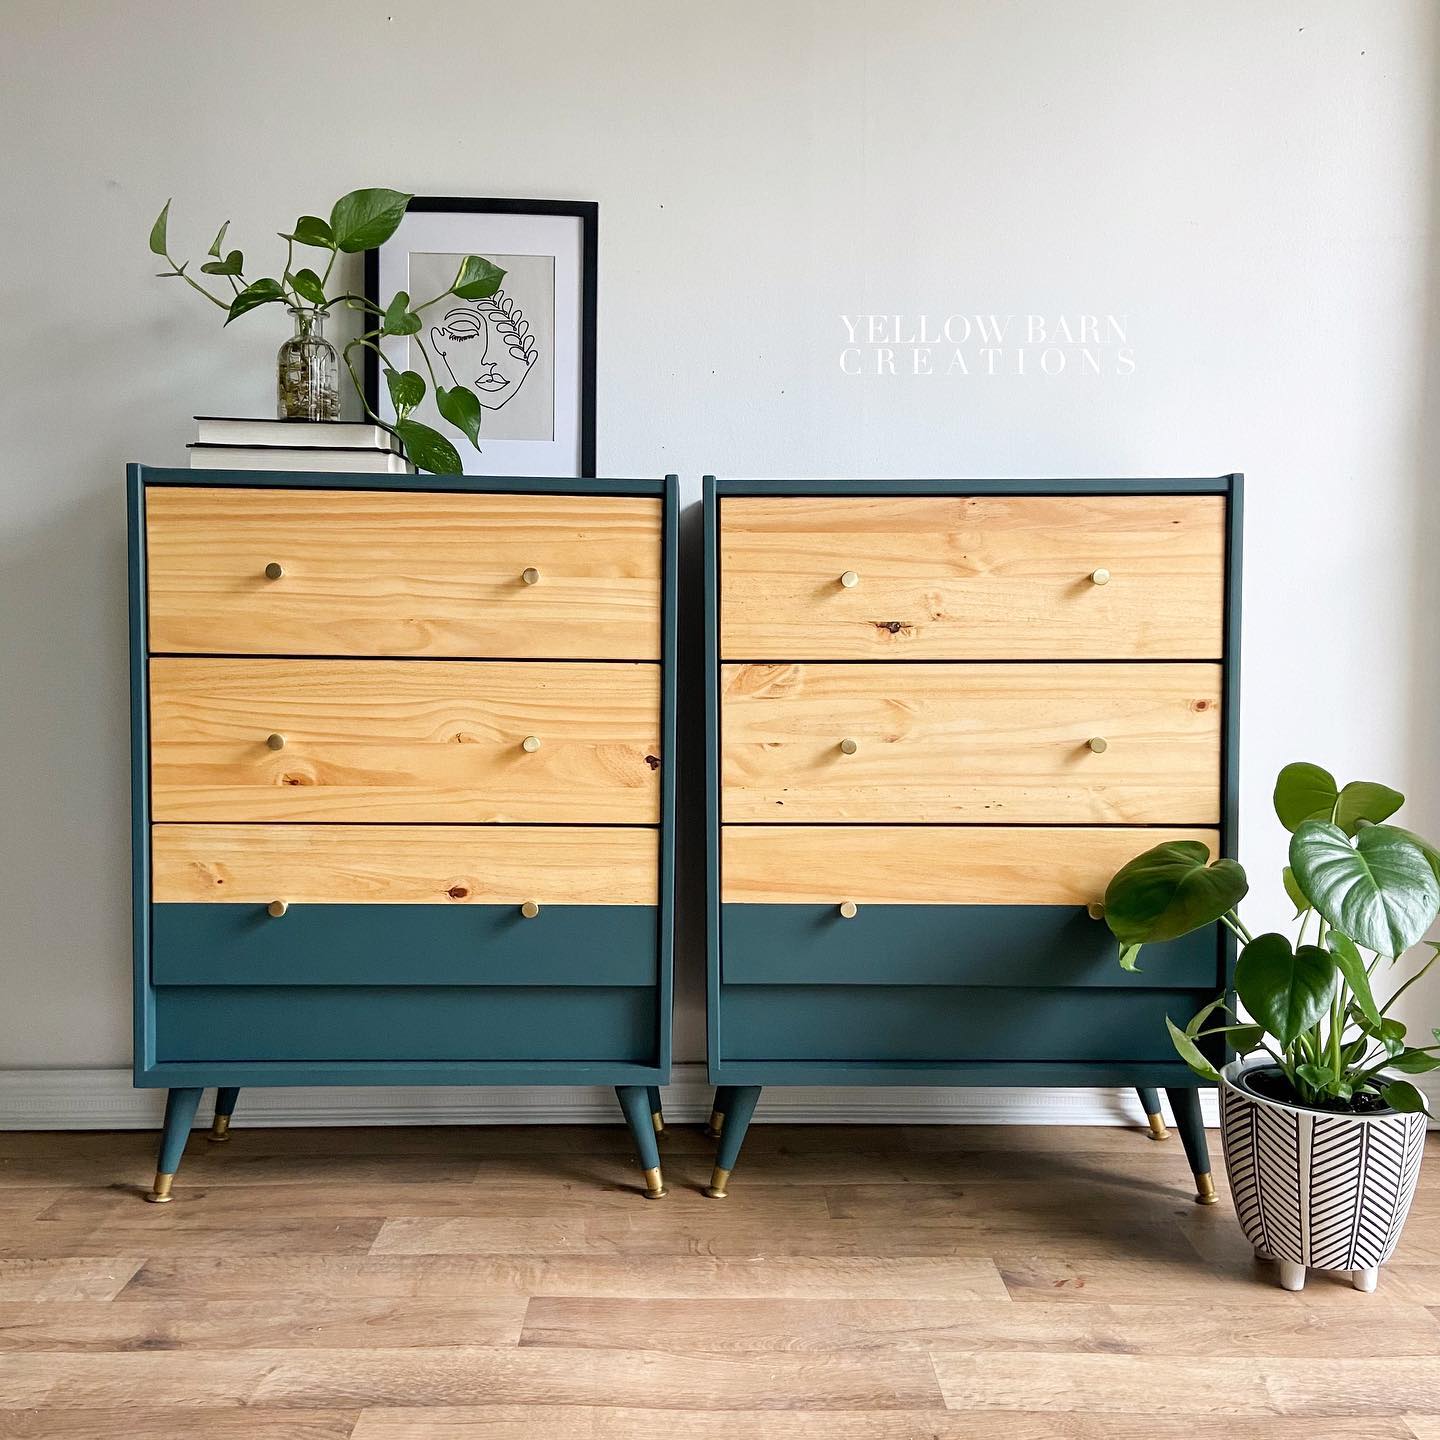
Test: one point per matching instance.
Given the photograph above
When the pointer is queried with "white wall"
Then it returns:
(1251, 185)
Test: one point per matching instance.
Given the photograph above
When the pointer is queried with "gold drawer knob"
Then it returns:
(1099, 744)
(1095, 910)
(848, 910)
(850, 579)
(530, 575)
(530, 744)
(1100, 577)
(275, 742)
(529, 909)
(848, 746)
(277, 908)
(273, 571)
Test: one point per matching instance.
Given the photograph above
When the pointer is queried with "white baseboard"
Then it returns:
(106, 1100)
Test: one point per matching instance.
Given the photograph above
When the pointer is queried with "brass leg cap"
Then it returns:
(716, 1125)
(219, 1129)
(1205, 1189)
(658, 1121)
(654, 1184)
(719, 1179)
(1157, 1127)
(160, 1194)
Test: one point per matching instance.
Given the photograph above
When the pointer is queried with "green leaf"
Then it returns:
(1243, 1038)
(1169, 891)
(461, 407)
(407, 389)
(1286, 991)
(1352, 967)
(1130, 958)
(428, 449)
(261, 292)
(232, 264)
(1326, 1081)
(1423, 846)
(1380, 891)
(308, 286)
(478, 280)
(1403, 1096)
(1198, 1019)
(399, 318)
(1414, 1062)
(1390, 1033)
(157, 231)
(1304, 792)
(1298, 898)
(1191, 1053)
(364, 219)
(1364, 800)
(313, 231)
(218, 241)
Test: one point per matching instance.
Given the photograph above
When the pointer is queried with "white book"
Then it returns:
(285, 457)
(322, 434)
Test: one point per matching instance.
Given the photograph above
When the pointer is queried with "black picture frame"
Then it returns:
(588, 213)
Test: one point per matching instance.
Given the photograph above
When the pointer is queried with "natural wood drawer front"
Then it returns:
(987, 743)
(937, 578)
(369, 572)
(405, 740)
(929, 865)
(400, 865)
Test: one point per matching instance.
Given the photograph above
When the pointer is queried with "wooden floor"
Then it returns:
(443, 1284)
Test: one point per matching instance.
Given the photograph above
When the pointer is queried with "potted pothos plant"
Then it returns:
(1323, 1132)
(307, 383)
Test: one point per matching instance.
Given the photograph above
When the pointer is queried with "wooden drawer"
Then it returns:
(984, 946)
(430, 945)
(404, 865)
(973, 743)
(929, 865)
(370, 572)
(938, 578)
(400, 740)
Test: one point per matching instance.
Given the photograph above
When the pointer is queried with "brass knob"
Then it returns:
(1099, 744)
(848, 746)
(847, 910)
(275, 742)
(277, 908)
(1095, 910)
(273, 571)
(849, 579)
(1100, 577)
(530, 744)
(530, 575)
(529, 909)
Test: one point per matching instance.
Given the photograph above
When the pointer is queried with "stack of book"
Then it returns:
(228, 443)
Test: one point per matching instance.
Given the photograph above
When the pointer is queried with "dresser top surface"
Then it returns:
(445, 484)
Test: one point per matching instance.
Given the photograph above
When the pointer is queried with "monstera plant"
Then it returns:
(359, 221)
(1329, 1056)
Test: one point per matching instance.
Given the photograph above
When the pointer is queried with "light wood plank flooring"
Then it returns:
(858, 1284)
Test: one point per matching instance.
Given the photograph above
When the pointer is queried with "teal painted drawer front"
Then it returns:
(382, 1023)
(948, 1024)
(421, 945)
(981, 945)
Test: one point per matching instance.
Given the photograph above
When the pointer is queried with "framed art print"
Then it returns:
(528, 351)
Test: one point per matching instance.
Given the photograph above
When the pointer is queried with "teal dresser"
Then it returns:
(403, 786)
(940, 715)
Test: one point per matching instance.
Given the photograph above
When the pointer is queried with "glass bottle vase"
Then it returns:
(307, 378)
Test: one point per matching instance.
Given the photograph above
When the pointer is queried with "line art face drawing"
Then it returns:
(488, 345)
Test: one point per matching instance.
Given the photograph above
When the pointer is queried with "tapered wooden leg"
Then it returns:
(657, 1113)
(1150, 1099)
(180, 1107)
(717, 1110)
(1185, 1105)
(740, 1103)
(635, 1102)
(225, 1098)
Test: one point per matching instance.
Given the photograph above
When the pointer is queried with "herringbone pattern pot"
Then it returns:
(1314, 1189)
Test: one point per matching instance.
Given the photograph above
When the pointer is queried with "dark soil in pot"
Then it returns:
(1269, 1083)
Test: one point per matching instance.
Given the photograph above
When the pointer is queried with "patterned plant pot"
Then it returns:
(1314, 1189)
